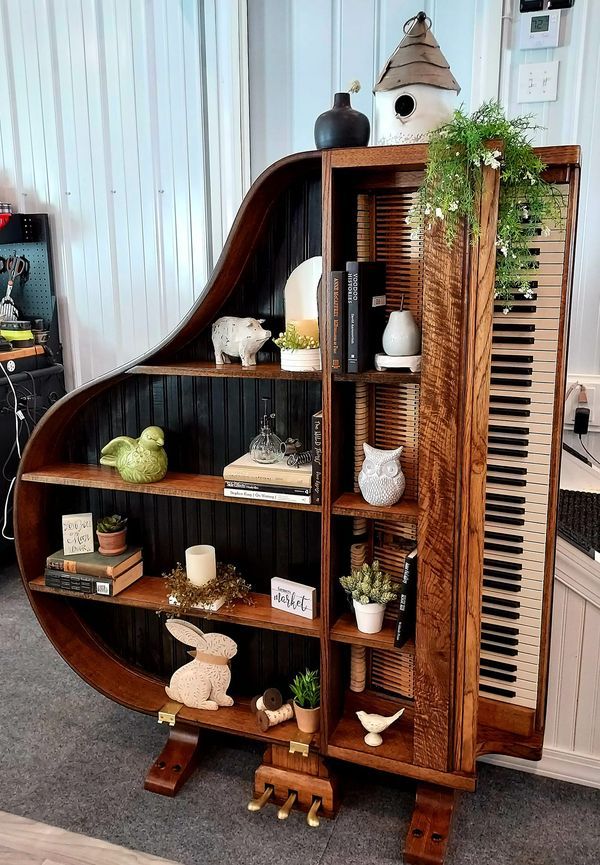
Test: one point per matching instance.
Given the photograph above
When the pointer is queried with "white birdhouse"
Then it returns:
(416, 91)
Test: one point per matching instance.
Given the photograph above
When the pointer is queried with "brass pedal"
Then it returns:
(284, 811)
(257, 804)
(311, 817)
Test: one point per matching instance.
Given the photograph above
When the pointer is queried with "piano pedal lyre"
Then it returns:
(284, 811)
(258, 804)
(312, 818)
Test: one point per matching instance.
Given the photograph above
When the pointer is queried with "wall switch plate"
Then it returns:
(538, 82)
(592, 386)
(539, 30)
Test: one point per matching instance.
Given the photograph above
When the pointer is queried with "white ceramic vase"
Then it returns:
(369, 617)
(301, 359)
(401, 336)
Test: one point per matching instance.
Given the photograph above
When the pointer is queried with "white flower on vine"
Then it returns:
(525, 212)
(408, 219)
(453, 206)
(529, 176)
(415, 234)
(476, 160)
(528, 294)
(506, 310)
(439, 213)
(545, 230)
(427, 209)
(490, 157)
(504, 249)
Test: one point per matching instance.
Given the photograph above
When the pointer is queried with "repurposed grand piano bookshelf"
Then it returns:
(480, 501)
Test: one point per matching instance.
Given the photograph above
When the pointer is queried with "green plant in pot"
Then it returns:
(370, 589)
(307, 700)
(299, 351)
(112, 535)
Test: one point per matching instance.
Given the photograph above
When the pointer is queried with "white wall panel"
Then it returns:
(112, 111)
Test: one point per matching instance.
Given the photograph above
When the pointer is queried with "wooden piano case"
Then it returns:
(348, 204)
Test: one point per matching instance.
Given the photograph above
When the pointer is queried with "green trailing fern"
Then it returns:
(457, 153)
(369, 585)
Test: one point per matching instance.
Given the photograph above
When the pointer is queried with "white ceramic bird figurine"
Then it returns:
(376, 724)
(138, 461)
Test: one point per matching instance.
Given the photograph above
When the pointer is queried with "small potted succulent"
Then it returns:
(307, 700)
(298, 351)
(370, 589)
(112, 535)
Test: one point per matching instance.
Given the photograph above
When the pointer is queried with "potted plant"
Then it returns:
(112, 535)
(370, 589)
(298, 351)
(307, 700)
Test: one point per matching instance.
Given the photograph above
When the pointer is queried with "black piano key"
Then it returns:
(534, 250)
(500, 650)
(519, 309)
(533, 283)
(501, 399)
(508, 440)
(503, 614)
(502, 602)
(509, 382)
(504, 497)
(501, 575)
(512, 370)
(509, 470)
(500, 692)
(503, 548)
(513, 340)
(492, 505)
(501, 536)
(500, 629)
(510, 412)
(503, 520)
(496, 563)
(509, 482)
(499, 665)
(498, 638)
(496, 674)
(503, 587)
(517, 327)
(507, 452)
(512, 358)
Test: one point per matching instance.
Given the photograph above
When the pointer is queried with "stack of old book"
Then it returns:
(271, 482)
(92, 573)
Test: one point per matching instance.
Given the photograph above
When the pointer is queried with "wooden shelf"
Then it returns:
(229, 370)
(345, 631)
(149, 593)
(373, 376)
(239, 720)
(176, 484)
(353, 505)
(347, 740)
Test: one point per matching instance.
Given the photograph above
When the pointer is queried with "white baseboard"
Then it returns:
(563, 765)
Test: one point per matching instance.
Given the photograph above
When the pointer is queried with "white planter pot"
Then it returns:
(369, 617)
(301, 360)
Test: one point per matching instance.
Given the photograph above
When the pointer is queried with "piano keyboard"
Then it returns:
(523, 373)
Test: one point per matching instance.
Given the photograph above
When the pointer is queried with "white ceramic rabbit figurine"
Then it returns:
(203, 683)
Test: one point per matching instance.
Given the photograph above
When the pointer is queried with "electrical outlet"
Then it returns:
(538, 82)
(592, 388)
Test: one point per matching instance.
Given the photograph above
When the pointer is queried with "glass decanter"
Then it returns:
(266, 446)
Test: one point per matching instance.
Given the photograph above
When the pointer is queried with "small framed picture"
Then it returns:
(295, 598)
(78, 534)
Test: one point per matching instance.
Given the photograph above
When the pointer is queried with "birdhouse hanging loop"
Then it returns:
(420, 17)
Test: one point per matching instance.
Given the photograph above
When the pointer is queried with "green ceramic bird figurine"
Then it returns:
(138, 461)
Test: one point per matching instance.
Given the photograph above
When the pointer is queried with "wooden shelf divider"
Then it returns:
(176, 484)
(353, 505)
(209, 369)
(149, 593)
(344, 630)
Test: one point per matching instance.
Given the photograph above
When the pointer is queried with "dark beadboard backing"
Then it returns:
(293, 235)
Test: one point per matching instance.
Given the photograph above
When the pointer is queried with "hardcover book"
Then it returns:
(366, 312)
(317, 449)
(339, 319)
(267, 488)
(89, 585)
(93, 564)
(405, 624)
(261, 496)
(279, 474)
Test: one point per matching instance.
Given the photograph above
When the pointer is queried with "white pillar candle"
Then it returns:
(200, 564)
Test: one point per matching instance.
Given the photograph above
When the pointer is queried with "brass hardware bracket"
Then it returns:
(168, 713)
(299, 748)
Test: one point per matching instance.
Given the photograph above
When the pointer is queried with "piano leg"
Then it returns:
(176, 762)
(427, 836)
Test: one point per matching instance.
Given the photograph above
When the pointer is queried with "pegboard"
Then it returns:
(35, 298)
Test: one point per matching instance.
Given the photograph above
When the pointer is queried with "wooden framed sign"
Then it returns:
(78, 534)
(294, 598)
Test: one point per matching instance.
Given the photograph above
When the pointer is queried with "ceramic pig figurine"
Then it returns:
(238, 337)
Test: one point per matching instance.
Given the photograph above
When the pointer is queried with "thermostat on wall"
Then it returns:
(540, 30)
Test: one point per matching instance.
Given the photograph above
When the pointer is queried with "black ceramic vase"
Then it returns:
(342, 125)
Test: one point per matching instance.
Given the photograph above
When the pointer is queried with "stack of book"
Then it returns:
(272, 482)
(92, 573)
(358, 319)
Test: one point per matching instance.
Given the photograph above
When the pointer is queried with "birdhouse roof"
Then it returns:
(417, 60)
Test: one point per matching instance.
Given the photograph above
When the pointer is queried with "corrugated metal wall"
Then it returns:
(109, 121)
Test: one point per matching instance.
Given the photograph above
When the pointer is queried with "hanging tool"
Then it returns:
(15, 266)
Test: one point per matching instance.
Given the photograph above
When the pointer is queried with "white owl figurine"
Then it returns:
(381, 479)
(203, 683)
